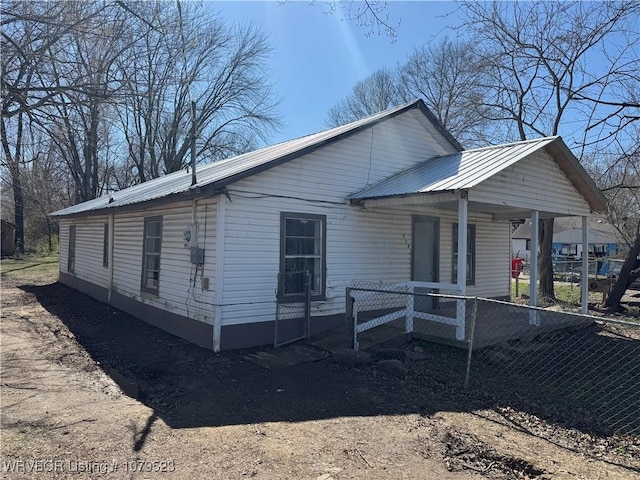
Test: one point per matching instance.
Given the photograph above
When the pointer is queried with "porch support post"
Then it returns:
(462, 243)
(462, 263)
(533, 268)
(585, 265)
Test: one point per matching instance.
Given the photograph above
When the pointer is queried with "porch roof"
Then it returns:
(465, 170)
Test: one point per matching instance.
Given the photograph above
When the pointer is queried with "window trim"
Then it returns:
(292, 298)
(105, 246)
(71, 251)
(471, 241)
(143, 287)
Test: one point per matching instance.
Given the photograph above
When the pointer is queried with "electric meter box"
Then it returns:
(197, 255)
(190, 236)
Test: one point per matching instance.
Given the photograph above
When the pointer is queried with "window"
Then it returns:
(151, 254)
(471, 254)
(302, 249)
(105, 246)
(527, 245)
(71, 259)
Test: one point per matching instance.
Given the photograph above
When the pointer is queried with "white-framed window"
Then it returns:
(302, 249)
(151, 254)
(471, 254)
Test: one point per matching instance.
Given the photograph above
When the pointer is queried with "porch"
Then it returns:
(385, 316)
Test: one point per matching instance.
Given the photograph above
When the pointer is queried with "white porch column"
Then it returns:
(533, 268)
(585, 265)
(461, 313)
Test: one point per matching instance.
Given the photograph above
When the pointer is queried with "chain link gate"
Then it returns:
(293, 307)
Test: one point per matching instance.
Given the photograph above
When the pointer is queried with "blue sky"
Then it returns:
(318, 57)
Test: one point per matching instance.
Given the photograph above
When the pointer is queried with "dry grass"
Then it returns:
(36, 269)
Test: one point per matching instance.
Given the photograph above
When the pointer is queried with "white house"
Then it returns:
(567, 238)
(379, 199)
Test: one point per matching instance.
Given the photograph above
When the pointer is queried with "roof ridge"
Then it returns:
(510, 144)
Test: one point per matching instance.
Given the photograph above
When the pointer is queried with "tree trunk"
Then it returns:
(625, 278)
(13, 162)
(18, 200)
(545, 261)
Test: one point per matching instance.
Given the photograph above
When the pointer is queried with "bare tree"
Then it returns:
(93, 77)
(78, 121)
(620, 182)
(379, 91)
(33, 33)
(448, 77)
(540, 61)
(187, 57)
(372, 15)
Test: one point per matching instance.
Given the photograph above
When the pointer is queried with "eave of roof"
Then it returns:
(215, 177)
(464, 170)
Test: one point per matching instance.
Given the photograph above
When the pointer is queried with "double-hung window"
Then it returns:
(71, 258)
(151, 254)
(302, 250)
(105, 246)
(471, 254)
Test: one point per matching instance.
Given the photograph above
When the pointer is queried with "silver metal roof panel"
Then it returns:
(213, 177)
(459, 171)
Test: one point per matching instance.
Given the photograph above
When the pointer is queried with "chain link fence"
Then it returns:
(565, 269)
(293, 307)
(579, 369)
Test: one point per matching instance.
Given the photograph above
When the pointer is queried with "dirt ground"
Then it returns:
(191, 413)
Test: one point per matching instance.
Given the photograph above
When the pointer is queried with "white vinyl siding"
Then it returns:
(88, 249)
(361, 245)
(535, 183)
(363, 248)
(181, 282)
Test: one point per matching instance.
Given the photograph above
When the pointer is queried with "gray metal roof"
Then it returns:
(214, 177)
(459, 171)
(464, 170)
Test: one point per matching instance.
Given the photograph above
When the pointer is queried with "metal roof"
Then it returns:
(214, 177)
(464, 170)
(459, 171)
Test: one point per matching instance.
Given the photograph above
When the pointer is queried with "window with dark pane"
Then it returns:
(105, 246)
(471, 254)
(151, 254)
(302, 247)
(71, 259)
